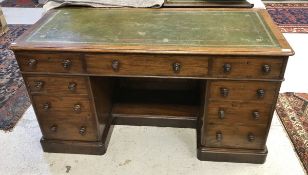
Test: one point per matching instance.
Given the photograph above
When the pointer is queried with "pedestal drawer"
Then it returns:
(244, 90)
(65, 118)
(65, 85)
(147, 65)
(59, 105)
(245, 67)
(233, 112)
(66, 127)
(54, 63)
(236, 136)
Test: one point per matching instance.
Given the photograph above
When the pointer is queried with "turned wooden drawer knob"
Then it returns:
(54, 128)
(251, 137)
(46, 106)
(38, 85)
(115, 64)
(218, 136)
(260, 93)
(227, 68)
(266, 68)
(32, 63)
(224, 92)
(82, 130)
(66, 64)
(176, 67)
(72, 86)
(77, 108)
(221, 113)
(256, 115)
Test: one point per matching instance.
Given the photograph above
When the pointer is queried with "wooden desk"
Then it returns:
(218, 71)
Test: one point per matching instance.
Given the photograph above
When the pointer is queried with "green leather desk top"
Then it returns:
(155, 28)
(127, 27)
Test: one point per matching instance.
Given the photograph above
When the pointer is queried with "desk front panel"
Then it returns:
(147, 65)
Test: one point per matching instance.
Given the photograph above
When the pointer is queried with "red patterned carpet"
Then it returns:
(292, 109)
(290, 17)
(14, 100)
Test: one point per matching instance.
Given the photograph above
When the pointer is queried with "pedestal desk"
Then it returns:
(215, 70)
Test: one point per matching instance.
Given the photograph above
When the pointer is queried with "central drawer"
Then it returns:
(147, 65)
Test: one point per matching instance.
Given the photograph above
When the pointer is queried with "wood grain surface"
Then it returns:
(154, 65)
(236, 136)
(247, 67)
(244, 90)
(57, 85)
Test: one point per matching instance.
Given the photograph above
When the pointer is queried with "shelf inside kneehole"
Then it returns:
(157, 102)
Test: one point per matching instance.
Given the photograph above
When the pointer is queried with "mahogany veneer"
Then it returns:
(155, 67)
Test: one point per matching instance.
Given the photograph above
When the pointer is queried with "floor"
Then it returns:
(138, 150)
(148, 150)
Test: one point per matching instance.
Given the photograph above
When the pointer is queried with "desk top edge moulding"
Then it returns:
(218, 71)
(237, 31)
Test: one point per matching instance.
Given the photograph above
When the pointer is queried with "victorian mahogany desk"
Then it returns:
(218, 71)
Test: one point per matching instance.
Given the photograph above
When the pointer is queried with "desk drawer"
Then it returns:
(267, 68)
(65, 118)
(60, 105)
(147, 65)
(68, 128)
(54, 63)
(260, 91)
(230, 112)
(64, 85)
(236, 136)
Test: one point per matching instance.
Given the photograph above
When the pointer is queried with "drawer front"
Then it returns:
(247, 68)
(229, 113)
(244, 90)
(57, 85)
(59, 105)
(54, 63)
(66, 118)
(147, 65)
(68, 128)
(236, 136)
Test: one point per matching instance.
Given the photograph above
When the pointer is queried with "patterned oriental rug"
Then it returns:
(290, 17)
(20, 3)
(292, 109)
(14, 100)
